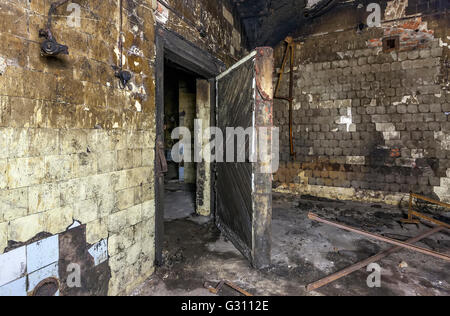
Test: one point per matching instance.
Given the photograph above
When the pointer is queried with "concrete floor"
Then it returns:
(303, 252)
(179, 200)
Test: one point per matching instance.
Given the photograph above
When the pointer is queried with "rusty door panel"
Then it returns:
(243, 194)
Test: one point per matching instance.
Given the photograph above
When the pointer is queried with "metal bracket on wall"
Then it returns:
(290, 52)
(50, 47)
(162, 166)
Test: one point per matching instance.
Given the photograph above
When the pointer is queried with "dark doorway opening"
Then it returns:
(176, 59)
(179, 112)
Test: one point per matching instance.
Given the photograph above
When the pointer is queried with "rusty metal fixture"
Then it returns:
(290, 52)
(396, 153)
(123, 76)
(401, 244)
(412, 213)
(50, 47)
(339, 275)
(47, 287)
(218, 288)
(162, 166)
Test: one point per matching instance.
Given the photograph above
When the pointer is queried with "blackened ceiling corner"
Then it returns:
(267, 22)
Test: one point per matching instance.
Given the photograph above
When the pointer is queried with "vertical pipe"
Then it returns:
(291, 100)
(159, 176)
(120, 34)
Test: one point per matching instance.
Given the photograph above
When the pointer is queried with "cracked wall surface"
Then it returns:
(74, 145)
(369, 124)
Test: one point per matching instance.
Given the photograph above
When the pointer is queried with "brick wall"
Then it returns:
(368, 124)
(74, 146)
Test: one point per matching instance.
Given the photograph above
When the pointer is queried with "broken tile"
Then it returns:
(99, 252)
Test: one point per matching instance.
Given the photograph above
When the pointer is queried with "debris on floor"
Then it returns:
(304, 252)
(216, 290)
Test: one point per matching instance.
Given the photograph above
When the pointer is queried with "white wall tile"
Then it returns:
(99, 252)
(13, 265)
(42, 253)
(36, 277)
(15, 288)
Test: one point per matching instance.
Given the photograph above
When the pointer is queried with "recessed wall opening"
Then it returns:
(391, 44)
(179, 111)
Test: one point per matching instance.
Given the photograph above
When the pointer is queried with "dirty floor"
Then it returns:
(179, 200)
(303, 252)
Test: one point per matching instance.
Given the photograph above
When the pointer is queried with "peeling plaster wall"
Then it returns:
(369, 125)
(74, 146)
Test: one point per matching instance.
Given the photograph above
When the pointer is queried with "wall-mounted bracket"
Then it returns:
(50, 47)
(123, 75)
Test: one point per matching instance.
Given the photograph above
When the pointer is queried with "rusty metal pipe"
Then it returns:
(219, 287)
(429, 219)
(291, 100)
(381, 238)
(412, 213)
(336, 276)
(52, 11)
(290, 52)
(424, 198)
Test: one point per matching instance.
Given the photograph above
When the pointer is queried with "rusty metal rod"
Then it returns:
(429, 219)
(365, 263)
(290, 52)
(381, 238)
(412, 213)
(283, 98)
(291, 100)
(55, 5)
(237, 288)
(219, 287)
(424, 198)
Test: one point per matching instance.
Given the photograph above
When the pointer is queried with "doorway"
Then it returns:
(179, 65)
(180, 181)
(236, 192)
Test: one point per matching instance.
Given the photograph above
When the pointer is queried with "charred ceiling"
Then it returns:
(267, 22)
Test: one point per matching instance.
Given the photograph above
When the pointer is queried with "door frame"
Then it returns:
(177, 49)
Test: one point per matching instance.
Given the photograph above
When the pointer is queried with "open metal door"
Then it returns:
(244, 99)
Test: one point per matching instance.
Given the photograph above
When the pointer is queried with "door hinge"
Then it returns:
(162, 162)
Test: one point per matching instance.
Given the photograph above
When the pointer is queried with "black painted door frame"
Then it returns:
(175, 48)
